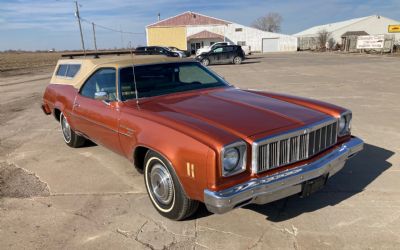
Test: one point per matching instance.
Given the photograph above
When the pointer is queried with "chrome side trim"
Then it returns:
(282, 184)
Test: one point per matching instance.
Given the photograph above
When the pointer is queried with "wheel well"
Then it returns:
(57, 113)
(138, 158)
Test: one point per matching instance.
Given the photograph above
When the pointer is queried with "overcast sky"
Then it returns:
(46, 24)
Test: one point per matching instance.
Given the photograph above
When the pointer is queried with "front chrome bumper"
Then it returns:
(283, 184)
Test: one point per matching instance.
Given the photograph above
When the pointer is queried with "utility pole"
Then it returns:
(94, 37)
(80, 26)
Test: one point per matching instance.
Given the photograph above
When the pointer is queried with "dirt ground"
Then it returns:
(12, 63)
(53, 196)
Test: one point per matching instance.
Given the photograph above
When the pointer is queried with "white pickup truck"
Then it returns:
(209, 48)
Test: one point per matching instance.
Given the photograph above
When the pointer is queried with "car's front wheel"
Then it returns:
(237, 60)
(205, 62)
(70, 137)
(165, 190)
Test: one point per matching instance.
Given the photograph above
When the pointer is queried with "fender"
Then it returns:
(189, 163)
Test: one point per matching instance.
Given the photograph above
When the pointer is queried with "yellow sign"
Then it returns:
(394, 28)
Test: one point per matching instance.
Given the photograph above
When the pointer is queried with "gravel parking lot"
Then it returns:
(53, 196)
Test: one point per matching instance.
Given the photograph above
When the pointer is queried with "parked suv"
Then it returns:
(225, 54)
(212, 47)
(155, 50)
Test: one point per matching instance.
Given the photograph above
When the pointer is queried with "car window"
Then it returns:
(62, 70)
(228, 49)
(68, 70)
(102, 80)
(72, 70)
(191, 73)
(218, 50)
(166, 78)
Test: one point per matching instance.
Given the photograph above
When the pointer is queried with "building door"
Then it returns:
(270, 45)
(194, 47)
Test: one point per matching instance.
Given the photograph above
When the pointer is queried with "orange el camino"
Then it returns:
(195, 137)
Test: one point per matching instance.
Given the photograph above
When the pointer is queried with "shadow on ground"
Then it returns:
(250, 62)
(244, 62)
(253, 57)
(358, 173)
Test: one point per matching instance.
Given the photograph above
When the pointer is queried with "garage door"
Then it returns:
(270, 45)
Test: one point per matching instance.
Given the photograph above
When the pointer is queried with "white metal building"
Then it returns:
(190, 31)
(373, 25)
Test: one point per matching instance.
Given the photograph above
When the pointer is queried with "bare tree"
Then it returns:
(270, 22)
(323, 38)
(331, 43)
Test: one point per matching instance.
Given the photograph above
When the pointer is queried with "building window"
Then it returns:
(238, 29)
(241, 43)
(211, 43)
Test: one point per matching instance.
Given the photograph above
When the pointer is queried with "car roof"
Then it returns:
(90, 65)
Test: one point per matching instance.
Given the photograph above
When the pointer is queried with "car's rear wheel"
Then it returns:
(70, 137)
(165, 190)
(205, 62)
(237, 60)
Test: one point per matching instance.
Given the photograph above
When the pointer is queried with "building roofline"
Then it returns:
(192, 12)
(226, 21)
(356, 20)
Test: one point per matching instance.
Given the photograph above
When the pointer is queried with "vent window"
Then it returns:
(238, 29)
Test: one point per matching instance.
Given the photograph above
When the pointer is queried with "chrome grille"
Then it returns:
(295, 146)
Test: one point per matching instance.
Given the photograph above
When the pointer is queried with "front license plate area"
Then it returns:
(313, 185)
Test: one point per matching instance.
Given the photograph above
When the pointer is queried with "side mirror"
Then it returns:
(101, 96)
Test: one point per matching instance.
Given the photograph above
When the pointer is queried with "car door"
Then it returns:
(227, 54)
(98, 119)
(216, 55)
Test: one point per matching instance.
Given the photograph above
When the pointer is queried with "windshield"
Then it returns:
(166, 78)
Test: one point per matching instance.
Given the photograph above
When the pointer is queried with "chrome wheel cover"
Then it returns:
(162, 186)
(66, 129)
(237, 60)
(205, 62)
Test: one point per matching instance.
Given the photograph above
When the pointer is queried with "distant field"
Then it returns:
(11, 63)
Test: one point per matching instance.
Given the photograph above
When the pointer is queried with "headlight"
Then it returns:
(233, 158)
(344, 123)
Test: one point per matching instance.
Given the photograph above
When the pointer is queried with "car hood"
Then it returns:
(239, 112)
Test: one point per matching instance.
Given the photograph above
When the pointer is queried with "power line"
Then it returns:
(93, 24)
(111, 29)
